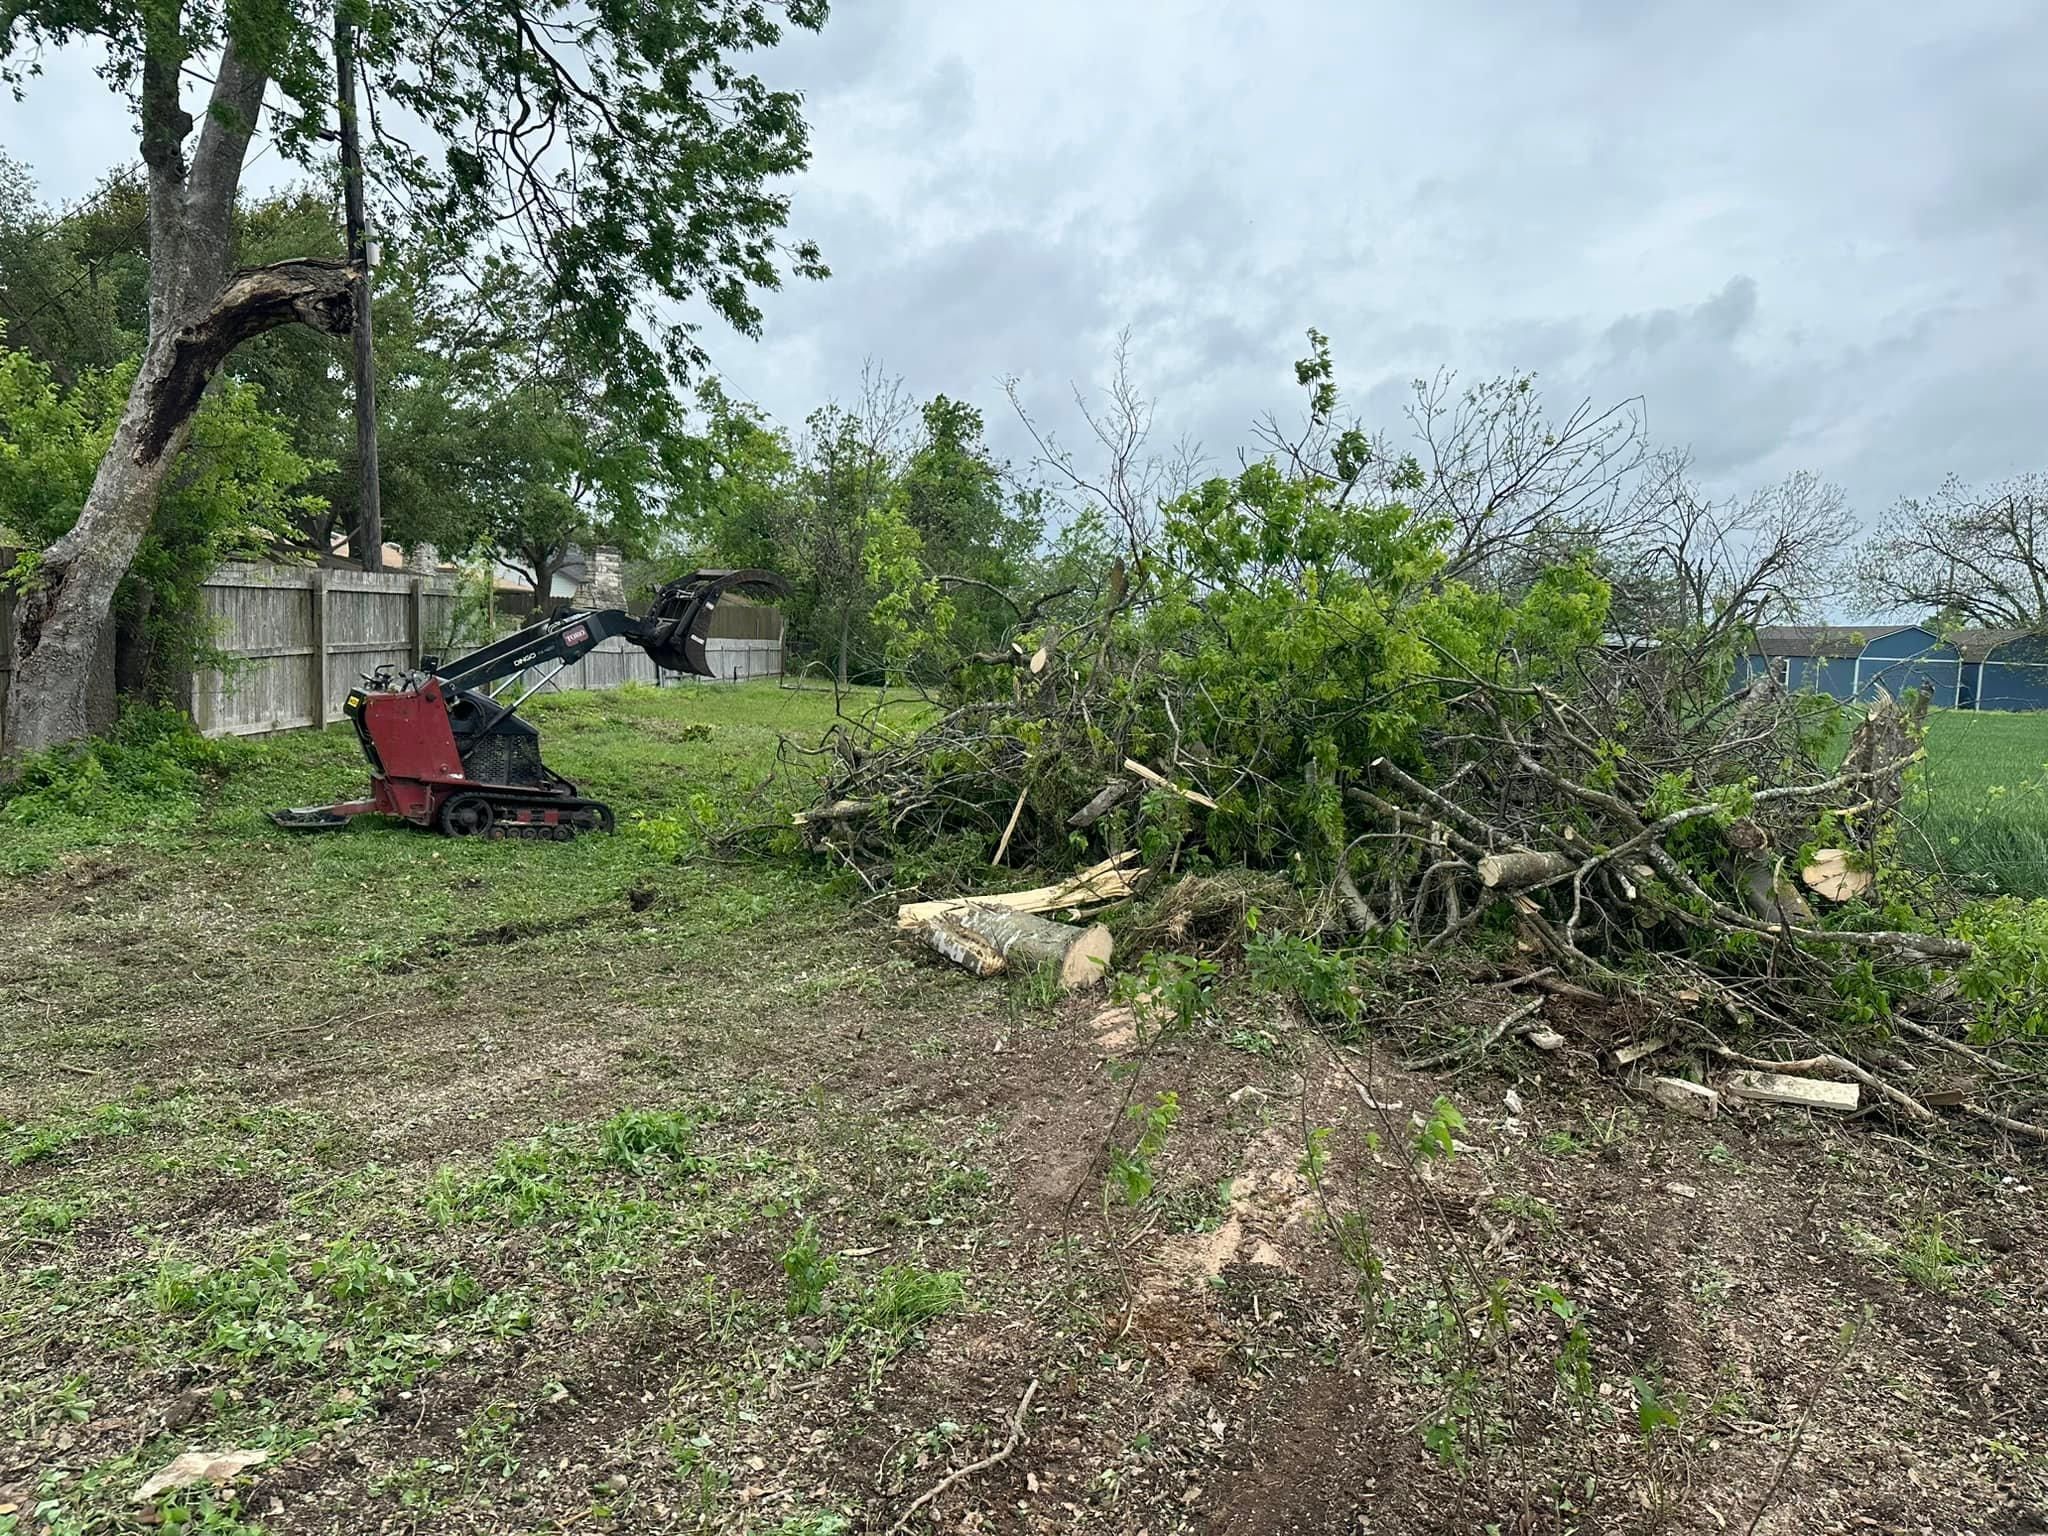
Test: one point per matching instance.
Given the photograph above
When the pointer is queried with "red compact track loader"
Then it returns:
(447, 751)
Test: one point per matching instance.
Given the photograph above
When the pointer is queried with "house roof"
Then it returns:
(1821, 639)
(1978, 644)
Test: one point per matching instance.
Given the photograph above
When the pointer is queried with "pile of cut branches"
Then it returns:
(1605, 822)
(1290, 674)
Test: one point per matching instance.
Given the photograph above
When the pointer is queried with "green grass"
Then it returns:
(1982, 802)
(673, 763)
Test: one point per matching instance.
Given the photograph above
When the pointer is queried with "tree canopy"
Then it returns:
(621, 154)
(1964, 554)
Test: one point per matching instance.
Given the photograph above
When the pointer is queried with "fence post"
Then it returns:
(317, 593)
(419, 619)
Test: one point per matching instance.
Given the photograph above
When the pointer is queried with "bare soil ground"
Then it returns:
(533, 1188)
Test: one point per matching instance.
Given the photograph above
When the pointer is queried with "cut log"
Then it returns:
(1830, 876)
(1511, 871)
(1802, 1092)
(1095, 886)
(986, 940)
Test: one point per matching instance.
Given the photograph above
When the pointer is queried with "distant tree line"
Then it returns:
(904, 538)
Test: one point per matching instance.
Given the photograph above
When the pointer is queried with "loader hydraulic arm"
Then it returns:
(672, 633)
(564, 638)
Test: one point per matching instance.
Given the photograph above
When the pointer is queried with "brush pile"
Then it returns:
(1517, 753)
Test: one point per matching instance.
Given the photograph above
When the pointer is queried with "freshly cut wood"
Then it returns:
(838, 810)
(967, 950)
(1803, 1092)
(1159, 780)
(1514, 870)
(1830, 876)
(985, 940)
(1111, 880)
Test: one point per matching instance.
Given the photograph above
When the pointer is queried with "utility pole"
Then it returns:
(369, 531)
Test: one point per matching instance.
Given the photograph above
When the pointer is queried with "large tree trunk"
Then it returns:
(68, 603)
(134, 653)
(199, 312)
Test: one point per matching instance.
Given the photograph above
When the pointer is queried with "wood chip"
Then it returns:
(1686, 1098)
(1629, 1055)
(198, 1467)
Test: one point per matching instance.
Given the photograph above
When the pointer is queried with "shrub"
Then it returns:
(2007, 976)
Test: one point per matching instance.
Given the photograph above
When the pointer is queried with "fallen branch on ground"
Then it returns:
(1507, 1022)
(993, 1459)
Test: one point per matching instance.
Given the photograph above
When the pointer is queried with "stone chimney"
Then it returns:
(604, 581)
(423, 560)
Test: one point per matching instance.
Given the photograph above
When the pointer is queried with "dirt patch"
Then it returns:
(496, 1309)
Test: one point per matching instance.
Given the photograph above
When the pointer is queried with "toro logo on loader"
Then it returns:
(576, 636)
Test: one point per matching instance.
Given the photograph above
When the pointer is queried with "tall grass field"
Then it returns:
(1982, 799)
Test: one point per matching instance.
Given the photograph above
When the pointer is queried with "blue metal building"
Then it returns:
(2004, 669)
(1999, 669)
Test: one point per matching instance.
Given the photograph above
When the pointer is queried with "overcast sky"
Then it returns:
(1808, 234)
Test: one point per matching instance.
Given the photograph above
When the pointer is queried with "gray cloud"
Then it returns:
(1806, 234)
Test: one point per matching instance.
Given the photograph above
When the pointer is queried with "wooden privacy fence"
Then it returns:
(298, 638)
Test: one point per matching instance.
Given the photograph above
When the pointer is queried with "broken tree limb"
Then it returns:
(1107, 799)
(995, 1458)
(1934, 1037)
(1927, 945)
(1506, 1022)
(838, 810)
(2024, 1128)
(986, 940)
(1511, 871)
(1111, 880)
(1160, 781)
(1010, 828)
(1363, 918)
(1769, 895)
